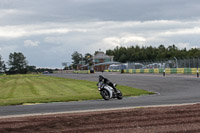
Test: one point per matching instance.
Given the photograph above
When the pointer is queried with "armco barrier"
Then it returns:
(173, 71)
(194, 70)
(146, 71)
(156, 71)
(187, 71)
(106, 70)
(159, 71)
(130, 70)
(82, 72)
(151, 70)
(180, 70)
(141, 70)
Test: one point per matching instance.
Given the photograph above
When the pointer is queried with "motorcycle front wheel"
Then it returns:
(119, 94)
(105, 94)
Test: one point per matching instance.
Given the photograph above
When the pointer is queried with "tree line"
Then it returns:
(139, 54)
(17, 64)
(144, 53)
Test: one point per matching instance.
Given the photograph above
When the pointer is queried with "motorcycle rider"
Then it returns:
(106, 81)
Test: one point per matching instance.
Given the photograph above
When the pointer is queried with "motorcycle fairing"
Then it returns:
(109, 89)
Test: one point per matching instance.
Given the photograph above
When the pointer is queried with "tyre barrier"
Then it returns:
(82, 71)
(159, 71)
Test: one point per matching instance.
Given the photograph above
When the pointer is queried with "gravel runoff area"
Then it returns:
(169, 119)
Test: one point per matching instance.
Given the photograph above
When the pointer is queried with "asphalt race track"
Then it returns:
(171, 89)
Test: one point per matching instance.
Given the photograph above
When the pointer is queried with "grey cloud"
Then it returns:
(102, 10)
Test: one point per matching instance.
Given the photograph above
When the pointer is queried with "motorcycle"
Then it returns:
(107, 92)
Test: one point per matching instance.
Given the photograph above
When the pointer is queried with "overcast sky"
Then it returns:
(47, 32)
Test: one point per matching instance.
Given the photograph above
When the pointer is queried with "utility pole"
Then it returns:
(176, 62)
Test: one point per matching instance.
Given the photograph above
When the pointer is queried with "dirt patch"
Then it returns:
(176, 119)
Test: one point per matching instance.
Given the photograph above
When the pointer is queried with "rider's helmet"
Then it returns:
(101, 77)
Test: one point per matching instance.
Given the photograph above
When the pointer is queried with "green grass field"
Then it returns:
(21, 89)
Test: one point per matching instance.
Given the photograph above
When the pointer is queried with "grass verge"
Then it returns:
(20, 89)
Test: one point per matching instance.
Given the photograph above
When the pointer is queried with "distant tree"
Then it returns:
(194, 52)
(70, 67)
(109, 52)
(96, 52)
(65, 68)
(2, 65)
(4, 68)
(42, 70)
(56, 69)
(31, 69)
(87, 58)
(76, 57)
(17, 63)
